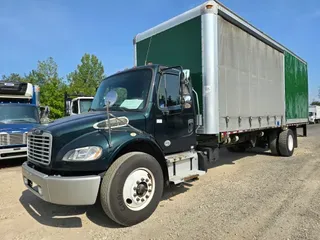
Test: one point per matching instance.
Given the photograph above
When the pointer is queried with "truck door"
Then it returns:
(175, 118)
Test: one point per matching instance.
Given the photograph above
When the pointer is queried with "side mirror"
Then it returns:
(68, 107)
(186, 100)
(185, 76)
(47, 111)
(186, 73)
(44, 116)
(111, 98)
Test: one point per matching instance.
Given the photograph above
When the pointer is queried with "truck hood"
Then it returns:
(17, 127)
(69, 128)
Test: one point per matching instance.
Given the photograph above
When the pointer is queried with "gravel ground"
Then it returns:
(245, 196)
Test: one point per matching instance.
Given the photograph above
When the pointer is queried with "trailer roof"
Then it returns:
(223, 12)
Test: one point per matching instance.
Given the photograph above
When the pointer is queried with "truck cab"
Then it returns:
(138, 136)
(19, 112)
(314, 114)
(79, 104)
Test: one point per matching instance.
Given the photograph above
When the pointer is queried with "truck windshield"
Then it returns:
(310, 114)
(85, 105)
(18, 114)
(132, 89)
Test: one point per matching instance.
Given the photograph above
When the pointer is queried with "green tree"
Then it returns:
(52, 95)
(87, 77)
(13, 77)
(315, 103)
(45, 72)
(51, 86)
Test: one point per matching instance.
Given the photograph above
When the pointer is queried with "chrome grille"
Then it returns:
(39, 148)
(17, 138)
(4, 139)
(7, 139)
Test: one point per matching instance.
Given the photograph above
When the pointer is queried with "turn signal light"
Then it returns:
(209, 6)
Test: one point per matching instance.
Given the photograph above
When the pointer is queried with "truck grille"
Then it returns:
(39, 148)
(7, 139)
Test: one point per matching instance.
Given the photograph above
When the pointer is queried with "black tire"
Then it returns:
(236, 149)
(273, 143)
(286, 143)
(111, 191)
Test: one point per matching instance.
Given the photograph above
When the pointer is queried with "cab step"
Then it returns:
(183, 166)
(192, 175)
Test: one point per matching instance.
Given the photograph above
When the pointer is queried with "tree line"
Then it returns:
(317, 102)
(83, 80)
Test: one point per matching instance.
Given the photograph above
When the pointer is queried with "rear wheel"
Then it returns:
(132, 188)
(286, 143)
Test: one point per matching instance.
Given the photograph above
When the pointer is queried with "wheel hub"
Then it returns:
(142, 189)
(138, 189)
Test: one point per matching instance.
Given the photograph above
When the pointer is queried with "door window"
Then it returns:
(169, 92)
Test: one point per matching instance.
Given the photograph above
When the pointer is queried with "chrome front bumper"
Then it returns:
(14, 152)
(61, 190)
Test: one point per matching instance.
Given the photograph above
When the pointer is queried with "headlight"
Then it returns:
(83, 154)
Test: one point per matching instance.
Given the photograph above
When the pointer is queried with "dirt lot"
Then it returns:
(244, 196)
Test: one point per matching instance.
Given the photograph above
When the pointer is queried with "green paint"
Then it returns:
(180, 45)
(296, 87)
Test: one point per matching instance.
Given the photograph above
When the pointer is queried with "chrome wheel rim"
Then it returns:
(290, 143)
(139, 189)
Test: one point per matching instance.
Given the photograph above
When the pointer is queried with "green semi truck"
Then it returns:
(203, 80)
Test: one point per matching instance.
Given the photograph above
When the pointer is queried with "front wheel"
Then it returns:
(132, 188)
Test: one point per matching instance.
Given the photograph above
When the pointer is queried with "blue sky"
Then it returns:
(32, 30)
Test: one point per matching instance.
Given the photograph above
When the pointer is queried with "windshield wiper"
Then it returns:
(121, 108)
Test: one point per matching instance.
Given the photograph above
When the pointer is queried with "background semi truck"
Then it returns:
(215, 81)
(19, 112)
(76, 103)
(314, 114)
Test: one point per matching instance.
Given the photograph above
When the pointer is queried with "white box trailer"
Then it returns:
(245, 80)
